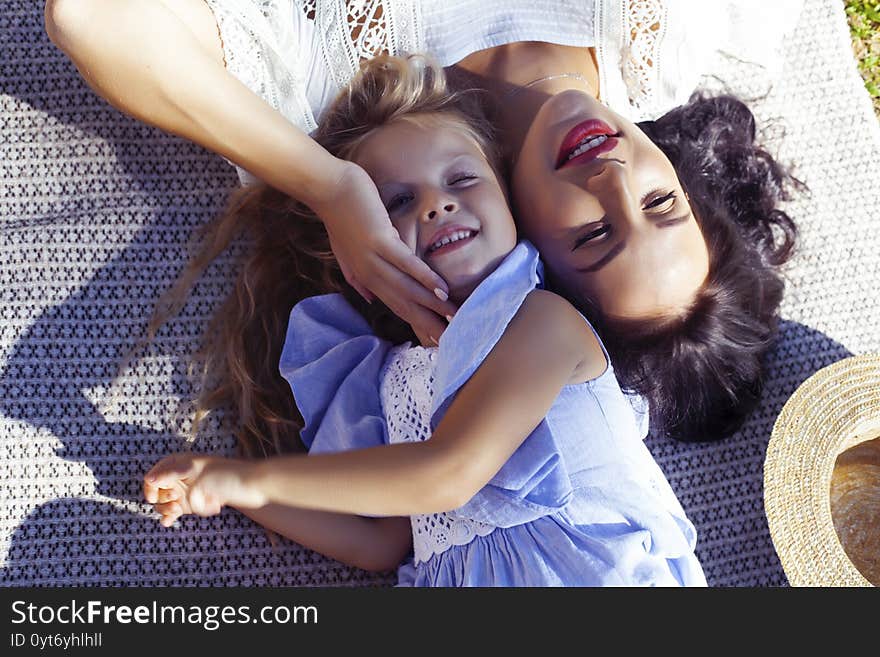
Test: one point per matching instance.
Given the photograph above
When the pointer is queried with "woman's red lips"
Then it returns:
(583, 132)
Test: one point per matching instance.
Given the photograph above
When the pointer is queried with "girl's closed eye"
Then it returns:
(462, 179)
(398, 201)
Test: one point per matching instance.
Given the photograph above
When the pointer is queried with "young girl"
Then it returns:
(535, 472)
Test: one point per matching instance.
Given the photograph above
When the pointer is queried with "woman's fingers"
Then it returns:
(426, 324)
(434, 292)
(368, 296)
(355, 283)
(410, 301)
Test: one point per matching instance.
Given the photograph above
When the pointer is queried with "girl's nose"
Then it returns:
(433, 213)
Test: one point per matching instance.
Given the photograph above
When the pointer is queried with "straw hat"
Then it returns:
(834, 410)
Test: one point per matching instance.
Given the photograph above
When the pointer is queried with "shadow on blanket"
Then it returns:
(81, 541)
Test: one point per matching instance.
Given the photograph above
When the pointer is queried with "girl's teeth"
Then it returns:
(587, 145)
(460, 235)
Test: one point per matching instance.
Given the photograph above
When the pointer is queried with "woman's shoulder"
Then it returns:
(644, 71)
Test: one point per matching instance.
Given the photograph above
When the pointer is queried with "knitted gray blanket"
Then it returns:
(97, 208)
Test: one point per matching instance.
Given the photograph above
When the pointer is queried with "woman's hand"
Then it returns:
(189, 483)
(373, 258)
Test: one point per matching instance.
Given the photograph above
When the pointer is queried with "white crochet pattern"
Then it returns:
(266, 56)
(407, 391)
(262, 50)
(264, 47)
(644, 26)
(355, 30)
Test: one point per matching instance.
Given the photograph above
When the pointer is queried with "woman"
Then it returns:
(690, 340)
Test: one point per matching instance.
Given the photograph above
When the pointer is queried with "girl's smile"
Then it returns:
(443, 197)
(448, 239)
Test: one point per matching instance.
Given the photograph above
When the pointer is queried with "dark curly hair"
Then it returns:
(701, 372)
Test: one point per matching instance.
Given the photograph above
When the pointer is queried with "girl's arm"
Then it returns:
(369, 543)
(546, 346)
(375, 544)
(165, 67)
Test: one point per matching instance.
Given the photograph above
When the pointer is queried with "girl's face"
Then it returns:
(443, 198)
(607, 212)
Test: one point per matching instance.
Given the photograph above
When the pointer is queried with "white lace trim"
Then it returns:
(644, 27)
(407, 390)
(356, 30)
(629, 38)
(651, 54)
(262, 48)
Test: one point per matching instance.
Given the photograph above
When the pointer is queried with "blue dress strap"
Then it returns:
(481, 321)
(534, 482)
(332, 361)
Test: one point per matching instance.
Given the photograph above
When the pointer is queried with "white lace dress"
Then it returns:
(298, 54)
(406, 390)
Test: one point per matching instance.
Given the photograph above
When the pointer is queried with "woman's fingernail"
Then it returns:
(441, 294)
(448, 318)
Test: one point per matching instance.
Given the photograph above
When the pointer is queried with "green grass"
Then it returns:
(864, 28)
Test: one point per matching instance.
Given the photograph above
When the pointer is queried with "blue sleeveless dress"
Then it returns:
(581, 502)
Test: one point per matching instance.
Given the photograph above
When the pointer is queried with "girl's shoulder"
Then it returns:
(558, 325)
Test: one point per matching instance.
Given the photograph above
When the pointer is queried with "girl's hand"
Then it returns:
(203, 485)
(373, 258)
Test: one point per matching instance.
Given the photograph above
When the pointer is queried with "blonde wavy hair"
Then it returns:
(289, 257)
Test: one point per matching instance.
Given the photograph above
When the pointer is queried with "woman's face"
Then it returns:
(444, 199)
(606, 210)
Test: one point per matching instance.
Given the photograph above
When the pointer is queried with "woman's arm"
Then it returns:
(147, 62)
(546, 346)
(165, 68)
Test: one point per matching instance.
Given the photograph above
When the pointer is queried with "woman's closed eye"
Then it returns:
(658, 200)
(596, 235)
(655, 202)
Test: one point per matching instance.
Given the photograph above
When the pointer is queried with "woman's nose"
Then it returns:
(619, 200)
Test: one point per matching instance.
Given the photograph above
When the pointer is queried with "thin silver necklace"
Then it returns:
(547, 78)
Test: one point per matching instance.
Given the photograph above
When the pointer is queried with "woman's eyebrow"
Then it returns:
(675, 221)
(604, 260)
